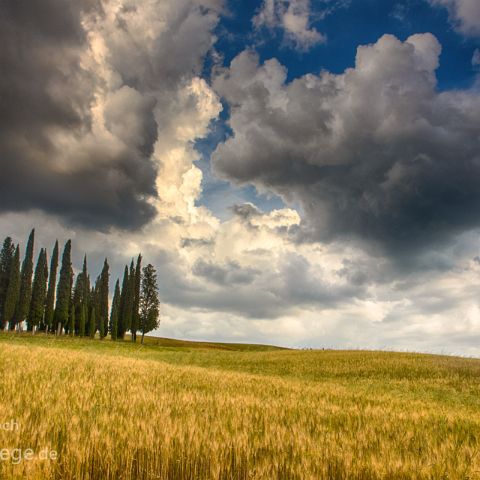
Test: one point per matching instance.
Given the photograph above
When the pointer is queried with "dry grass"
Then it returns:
(119, 411)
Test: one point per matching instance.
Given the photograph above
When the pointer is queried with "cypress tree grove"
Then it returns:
(52, 283)
(149, 302)
(6, 259)
(113, 328)
(25, 295)
(136, 299)
(103, 300)
(39, 290)
(64, 289)
(13, 291)
(122, 327)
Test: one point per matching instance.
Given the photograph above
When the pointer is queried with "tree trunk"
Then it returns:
(59, 329)
(143, 336)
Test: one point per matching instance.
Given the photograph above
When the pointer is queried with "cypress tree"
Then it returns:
(115, 312)
(86, 285)
(122, 325)
(129, 298)
(13, 291)
(25, 295)
(64, 289)
(71, 318)
(81, 321)
(149, 302)
(76, 300)
(81, 299)
(52, 283)
(93, 322)
(45, 276)
(39, 290)
(136, 299)
(103, 291)
(71, 328)
(6, 259)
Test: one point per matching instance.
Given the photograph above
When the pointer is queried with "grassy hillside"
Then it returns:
(181, 410)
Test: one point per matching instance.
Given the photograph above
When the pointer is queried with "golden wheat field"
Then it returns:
(90, 409)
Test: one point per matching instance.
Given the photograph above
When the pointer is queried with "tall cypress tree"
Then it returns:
(45, 276)
(82, 320)
(64, 289)
(93, 308)
(39, 290)
(71, 328)
(113, 328)
(129, 298)
(13, 291)
(93, 322)
(122, 325)
(136, 299)
(81, 299)
(25, 295)
(52, 283)
(149, 302)
(103, 291)
(86, 285)
(6, 259)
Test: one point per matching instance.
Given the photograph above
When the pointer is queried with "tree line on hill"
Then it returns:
(37, 298)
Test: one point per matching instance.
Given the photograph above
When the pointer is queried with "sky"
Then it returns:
(301, 173)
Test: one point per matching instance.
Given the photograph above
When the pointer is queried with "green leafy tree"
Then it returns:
(136, 299)
(13, 291)
(64, 289)
(6, 260)
(149, 302)
(113, 328)
(52, 283)
(39, 291)
(25, 296)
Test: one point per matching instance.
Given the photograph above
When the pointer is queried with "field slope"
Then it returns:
(180, 410)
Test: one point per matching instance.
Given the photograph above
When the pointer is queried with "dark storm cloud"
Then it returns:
(45, 99)
(85, 90)
(376, 154)
(227, 275)
(246, 211)
(288, 286)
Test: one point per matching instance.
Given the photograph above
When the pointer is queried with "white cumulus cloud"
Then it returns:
(294, 17)
(465, 14)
